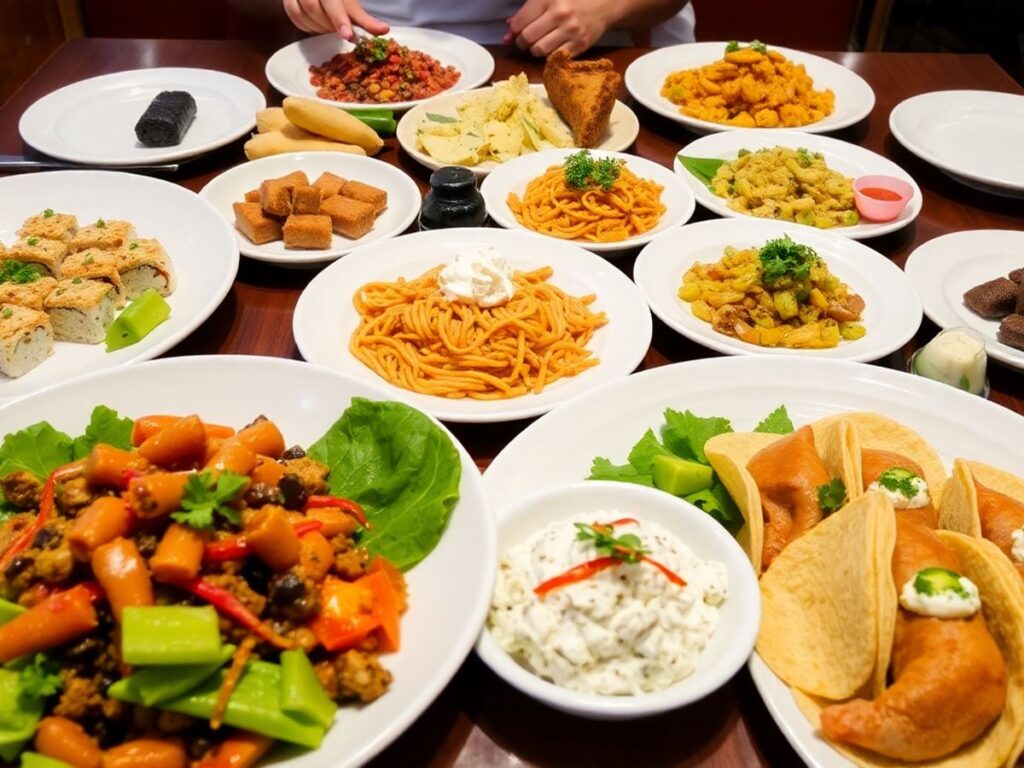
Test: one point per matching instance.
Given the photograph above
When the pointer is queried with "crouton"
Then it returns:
(96, 264)
(81, 310)
(106, 235)
(26, 339)
(276, 197)
(349, 217)
(145, 264)
(31, 295)
(48, 255)
(329, 184)
(306, 200)
(365, 193)
(252, 196)
(251, 222)
(307, 231)
(50, 226)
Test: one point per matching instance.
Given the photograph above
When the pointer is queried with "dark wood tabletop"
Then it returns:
(478, 720)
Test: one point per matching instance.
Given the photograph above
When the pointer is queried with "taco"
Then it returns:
(776, 481)
(981, 500)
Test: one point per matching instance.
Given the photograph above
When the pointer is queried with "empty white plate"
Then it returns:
(288, 69)
(975, 136)
(945, 267)
(892, 312)
(93, 121)
(231, 186)
(645, 77)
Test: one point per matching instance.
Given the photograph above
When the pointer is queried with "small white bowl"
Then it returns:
(739, 617)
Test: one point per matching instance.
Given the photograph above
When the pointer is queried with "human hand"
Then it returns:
(543, 26)
(340, 16)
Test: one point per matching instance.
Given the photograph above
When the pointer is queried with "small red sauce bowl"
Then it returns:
(881, 198)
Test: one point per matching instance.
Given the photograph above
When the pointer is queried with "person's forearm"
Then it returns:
(643, 14)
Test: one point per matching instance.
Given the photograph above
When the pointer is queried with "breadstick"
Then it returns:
(276, 143)
(270, 119)
(332, 122)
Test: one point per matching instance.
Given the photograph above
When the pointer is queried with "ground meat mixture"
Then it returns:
(21, 489)
(312, 474)
(353, 675)
(73, 494)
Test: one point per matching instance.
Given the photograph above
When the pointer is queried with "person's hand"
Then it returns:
(543, 26)
(340, 16)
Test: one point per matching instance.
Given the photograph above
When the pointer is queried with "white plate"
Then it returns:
(559, 447)
(288, 69)
(93, 121)
(200, 246)
(646, 75)
(891, 316)
(231, 186)
(449, 590)
(325, 318)
(623, 126)
(514, 175)
(942, 269)
(848, 159)
(972, 135)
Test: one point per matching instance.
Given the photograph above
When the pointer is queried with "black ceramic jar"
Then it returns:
(453, 200)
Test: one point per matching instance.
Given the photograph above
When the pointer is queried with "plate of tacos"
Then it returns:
(884, 519)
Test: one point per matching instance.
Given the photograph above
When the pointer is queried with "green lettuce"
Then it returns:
(704, 168)
(401, 467)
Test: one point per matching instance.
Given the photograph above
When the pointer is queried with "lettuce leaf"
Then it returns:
(603, 469)
(105, 426)
(704, 168)
(403, 470)
(776, 423)
(685, 433)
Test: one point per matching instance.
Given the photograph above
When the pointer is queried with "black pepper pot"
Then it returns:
(453, 200)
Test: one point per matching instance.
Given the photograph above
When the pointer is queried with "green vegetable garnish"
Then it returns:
(101, 223)
(805, 158)
(136, 321)
(76, 280)
(206, 496)
(899, 481)
(48, 213)
(39, 678)
(758, 46)
(582, 171)
(627, 548)
(732, 45)
(783, 259)
(704, 168)
(776, 423)
(161, 635)
(6, 312)
(436, 118)
(12, 271)
(935, 581)
(33, 241)
(133, 246)
(717, 502)
(964, 383)
(831, 496)
(88, 259)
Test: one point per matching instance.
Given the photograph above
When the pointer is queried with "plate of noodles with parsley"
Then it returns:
(475, 325)
(603, 201)
(724, 86)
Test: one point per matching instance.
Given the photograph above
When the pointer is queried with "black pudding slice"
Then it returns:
(166, 119)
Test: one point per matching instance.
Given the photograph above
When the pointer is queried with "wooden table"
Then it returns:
(478, 720)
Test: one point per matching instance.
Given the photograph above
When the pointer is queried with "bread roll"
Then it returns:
(332, 122)
(276, 143)
(270, 119)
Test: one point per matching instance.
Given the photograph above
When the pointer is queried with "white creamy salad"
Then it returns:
(479, 275)
(626, 630)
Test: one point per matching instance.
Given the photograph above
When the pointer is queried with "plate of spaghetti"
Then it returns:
(603, 201)
(475, 325)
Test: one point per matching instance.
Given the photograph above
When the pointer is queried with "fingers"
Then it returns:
(298, 17)
(337, 17)
(528, 12)
(316, 19)
(361, 18)
(552, 41)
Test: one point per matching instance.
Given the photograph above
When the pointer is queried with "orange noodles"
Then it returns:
(550, 206)
(411, 335)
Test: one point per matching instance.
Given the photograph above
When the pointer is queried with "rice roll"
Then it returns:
(96, 264)
(145, 264)
(50, 225)
(104, 234)
(26, 339)
(47, 255)
(166, 119)
(31, 295)
(81, 310)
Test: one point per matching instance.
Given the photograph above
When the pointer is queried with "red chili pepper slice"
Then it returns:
(237, 547)
(232, 607)
(622, 521)
(671, 575)
(24, 541)
(346, 505)
(581, 572)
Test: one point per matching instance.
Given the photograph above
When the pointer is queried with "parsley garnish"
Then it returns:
(76, 280)
(436, 118)
(805, 158)
(32, 241)
(133, 246)
(583, 171)
(6, 312)
(831, 496)
(731, 46)
(88, 260)
(12, 271)
(783, 259)
(40, 679)
(758, 46)
(206, 496)
(899, 481)
(48, 213)
(101, 223)
(628, 548)
(776, 423)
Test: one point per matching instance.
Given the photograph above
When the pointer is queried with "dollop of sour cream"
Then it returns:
(920, 498)
(626, 630)
(1018, 545)
(945, 604)
(479, 275)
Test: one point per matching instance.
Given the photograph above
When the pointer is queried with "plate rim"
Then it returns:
(401, 106)
(704, 126)
(899, 112)
(306, 258)
(510, 413)
(641, 267)
(171, 155)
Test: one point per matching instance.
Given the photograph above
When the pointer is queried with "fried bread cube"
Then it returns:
(252, 196)
(107, 235)
(48, 255)
(81, 310)
(306, 200)
(307, 231)
(365, 193)
(276, 197)
(26, 339)
(254, 224)
(349, 217)
(50, 226)
(145, 264)
(329, 184)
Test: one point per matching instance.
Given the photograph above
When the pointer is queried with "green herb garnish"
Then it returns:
(6, 312)
(804, 158)
(831, 496)
(48, 213)
(88, 260)
(101, 223)
(758, 46)
(76, 280)
(33, 241)
(40, 678)
(782, 259)
(776, 423)
(732, 45)
(964, 383)
(12, 271)
(206, 496)
(899, 481)
(436, 118)
(627, 548)
(133, 246)
(582, 171)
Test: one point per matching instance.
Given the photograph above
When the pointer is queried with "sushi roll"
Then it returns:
(81, 310)
(26, 339)
(104, 234)
(31, 295)
(49, 225)
(45, 254)
(96, 264)
(145, 264)
(166, 119)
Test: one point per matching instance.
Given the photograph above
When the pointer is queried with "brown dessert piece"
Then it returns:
(351, 218)
(993, 299)
(584, 94)
(307, 231)
(1011, 331)
(251, 222)
(306, 200)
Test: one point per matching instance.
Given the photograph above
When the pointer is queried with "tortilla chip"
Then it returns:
(730, 453)
(958, 509)
(1000, 589)
(811, 637)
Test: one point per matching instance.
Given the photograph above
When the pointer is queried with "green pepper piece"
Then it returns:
(140, 317)
(19, 715)
(155, 685)
(9, 610)
(302, 696)
(254, 705)
(36, 760)
(161, 635)
(382, 124)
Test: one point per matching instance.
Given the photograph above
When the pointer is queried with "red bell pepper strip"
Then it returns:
(346, 505)
(24, 541)
(237, 547)
(229, 605)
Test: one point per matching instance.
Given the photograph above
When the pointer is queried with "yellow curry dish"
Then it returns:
(749, 87)
(780, 295)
